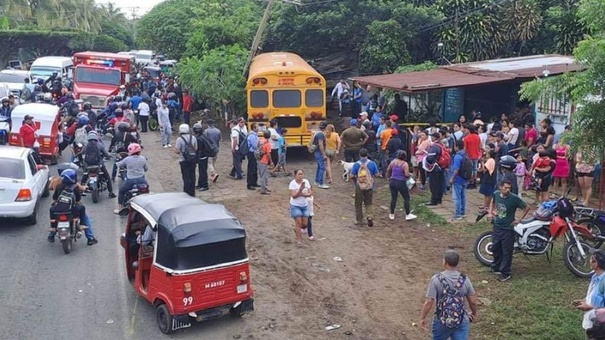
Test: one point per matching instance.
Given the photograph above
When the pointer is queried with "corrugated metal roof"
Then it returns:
(475, 73)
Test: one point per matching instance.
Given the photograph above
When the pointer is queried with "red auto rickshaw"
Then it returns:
(188, 258)
(47, 119)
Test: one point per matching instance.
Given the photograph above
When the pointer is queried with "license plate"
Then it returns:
(93, 179)
(242, 289)
(63, 225)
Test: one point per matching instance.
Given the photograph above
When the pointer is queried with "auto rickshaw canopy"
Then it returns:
(44, 115)
(192, 234)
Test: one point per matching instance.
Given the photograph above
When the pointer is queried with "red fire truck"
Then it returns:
(99, 75)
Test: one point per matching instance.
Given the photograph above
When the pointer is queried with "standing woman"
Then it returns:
(488, 179)
(423, 146)
(561, 172)
(300, 189)
(585, 172)
(332, 147)
(398, 173)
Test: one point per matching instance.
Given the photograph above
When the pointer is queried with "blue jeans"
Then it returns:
(440, 332)
(321, 168)
(459, 196)
(446, 176)
(128, 184)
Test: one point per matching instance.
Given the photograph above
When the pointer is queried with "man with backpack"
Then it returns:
(448, 290)
(437, 159)
(214, 135)
(364, 171)
(206, 150)
(93, 156)
(462, 171)
(186, 148)
(239, 147)
(253, 145)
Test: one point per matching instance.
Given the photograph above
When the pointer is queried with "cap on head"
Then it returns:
(353, 122)
(393, 118)
(28, 117)
(323, 125)
(599, 255)
(364, 114)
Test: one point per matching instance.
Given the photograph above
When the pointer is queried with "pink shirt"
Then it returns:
(531, 134)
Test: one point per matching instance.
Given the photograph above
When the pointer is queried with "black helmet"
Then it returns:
(119, 113)
(508, 162)
(123, 126)
(564, 207)
(197, 128)
(87, 106)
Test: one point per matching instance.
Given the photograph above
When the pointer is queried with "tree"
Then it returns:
(105, 43)
(381, 51)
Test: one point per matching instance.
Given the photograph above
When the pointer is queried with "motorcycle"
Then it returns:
(536, 236)
(4, 130)
(77, 150)
(121, 170)
(136, 190)
(96, 182)
(594, 220)
(68, 230)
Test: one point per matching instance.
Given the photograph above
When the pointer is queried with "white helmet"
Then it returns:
(184, 128)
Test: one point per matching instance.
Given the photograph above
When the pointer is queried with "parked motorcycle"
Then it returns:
(536, 236)
(96, 182)
(594, 220)
(4, 130)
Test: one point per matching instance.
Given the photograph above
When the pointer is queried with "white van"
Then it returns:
(144, 57)
(44, 67)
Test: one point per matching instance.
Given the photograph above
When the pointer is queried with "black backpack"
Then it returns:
(92, 154)
(243, 143)
(210, 149)
(189, 153)
(66, 199)
(466, 168)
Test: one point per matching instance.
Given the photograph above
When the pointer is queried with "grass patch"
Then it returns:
(417, 202)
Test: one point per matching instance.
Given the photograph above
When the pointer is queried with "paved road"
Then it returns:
(45, 294)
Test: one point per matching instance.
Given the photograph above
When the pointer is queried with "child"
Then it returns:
(281, 149)
(520, 172)
(542, 170)
(309, 229)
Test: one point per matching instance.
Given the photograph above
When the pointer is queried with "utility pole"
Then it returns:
(134, 26)
(259, 34)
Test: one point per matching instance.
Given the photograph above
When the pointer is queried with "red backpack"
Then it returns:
(445, 158)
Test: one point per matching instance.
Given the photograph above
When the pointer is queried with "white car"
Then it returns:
(22, 184)
(15, 79)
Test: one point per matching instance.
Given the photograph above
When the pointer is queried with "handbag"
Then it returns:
(410, 183)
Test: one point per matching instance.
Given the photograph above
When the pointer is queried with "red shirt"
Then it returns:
(266, 159)
(116, 120)
(532, 135)
(472, 146)
(27, 133)
(187, 103)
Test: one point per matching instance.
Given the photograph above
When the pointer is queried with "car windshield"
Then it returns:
(143, 56)
(12, 78)
(44, 72)
(12, 168)
(98, 76)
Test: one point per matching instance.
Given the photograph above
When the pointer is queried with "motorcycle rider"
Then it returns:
(134, 132)
(502, 213)
(136, 166)
(120, 143)
(128, 114)
(69, 180)
(69, 104)
(94, 153)
(92, 116)
(6, 110)
(118, 117)
(37, 95)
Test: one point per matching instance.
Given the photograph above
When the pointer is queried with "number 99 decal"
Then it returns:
(187, 301)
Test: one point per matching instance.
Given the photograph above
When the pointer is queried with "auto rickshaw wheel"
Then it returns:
(164, 319)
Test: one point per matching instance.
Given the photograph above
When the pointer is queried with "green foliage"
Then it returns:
(381, 52)
(217, 77)
(44, 42)
(105, 43)
(427, 65)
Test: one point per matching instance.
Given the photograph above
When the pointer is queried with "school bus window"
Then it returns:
(286, 98)
(314, 98)
(259, 98)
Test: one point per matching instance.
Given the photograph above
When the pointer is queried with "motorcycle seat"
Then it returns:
(528, 219)
(93, 167)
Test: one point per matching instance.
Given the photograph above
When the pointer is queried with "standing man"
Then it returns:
(203, 156)
(253, 145)
(457, 182)
(364, 172)
(430, 165)
(502, 209)
(338, 91)
(595, 295)
(144, 111)
(214, 135)
(352, 140)
(447, 290)
(274, 140)
(182, 146)
(237, 135)
(187, 106)
(472, 146)
(264, 163)
(319, 139)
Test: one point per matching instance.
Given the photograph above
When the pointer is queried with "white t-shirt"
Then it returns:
(274, 140)
(513, 135)
(299, 201)
(143, 109)
(483, 138)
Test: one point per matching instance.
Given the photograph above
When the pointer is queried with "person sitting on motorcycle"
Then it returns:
(69, 181)
(118, 117)
(37, 95)
(120, 143)
(128, 113)
(92, 116)
(136, 166)
(94, 153)
(134, 132)
(5, 111)
(69, 105)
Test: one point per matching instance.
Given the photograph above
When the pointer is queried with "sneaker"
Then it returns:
(231, 176)
(504, 278)
(391, 216)
(370, 222)
(458, 218)
(203, 189)
(431, 204)
(410, 217)
(323, 186)
(117, 211)
(265, 192)
(165, 146)
(495, 272)
(112, 195)
(92, 241)
(169, 145)
(51, 238)
(311, 238)
(358, 223)
(251, 187)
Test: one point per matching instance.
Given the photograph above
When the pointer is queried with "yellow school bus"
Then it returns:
(283, 87)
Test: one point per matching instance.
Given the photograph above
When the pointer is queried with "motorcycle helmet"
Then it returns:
(183, 128)
(69, 95)
(113, 106)
(40, 81)
(564, 207)
(93, 135)
(545, 210)
(83, 121)
(64, 166)
(119, 113)
(69, 176)
(87, 106)
(508, 162)
(124, 106)
(134, 148)
(123, 126)
(197, 128)
(132, 128)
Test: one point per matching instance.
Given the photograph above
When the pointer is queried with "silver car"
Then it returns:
(22, 183)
